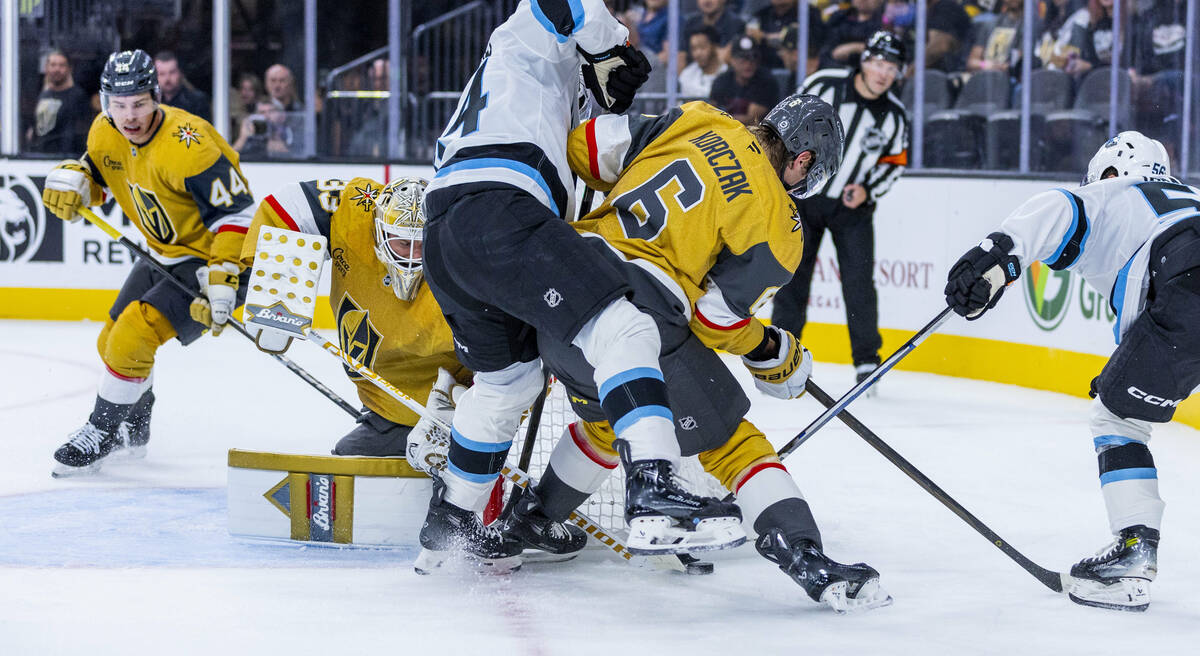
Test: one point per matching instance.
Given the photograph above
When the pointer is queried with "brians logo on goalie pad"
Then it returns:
(277, 316)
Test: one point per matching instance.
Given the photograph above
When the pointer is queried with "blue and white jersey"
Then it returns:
(1103, 231)
(512, 120)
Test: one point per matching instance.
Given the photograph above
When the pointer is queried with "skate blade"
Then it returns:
(870, 596)
(430, 561)
(1128, 594)
(129, 453)
(66, 471)
(659, 534)
(539, 557)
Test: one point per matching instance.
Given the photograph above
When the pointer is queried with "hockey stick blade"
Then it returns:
(836, 407)
(237, 325)
(1056, 581)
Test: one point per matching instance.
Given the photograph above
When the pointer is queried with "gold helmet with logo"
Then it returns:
(399, 232)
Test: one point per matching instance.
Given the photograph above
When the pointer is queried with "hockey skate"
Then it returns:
(84, 451)
(664, 518)
(453, 533)
(1118, 577)
(134, 432)
(544, 540)
(844, 588)
(861, 373)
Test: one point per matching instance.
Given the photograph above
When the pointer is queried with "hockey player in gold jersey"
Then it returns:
(699, 217)
(179, 181)
(386, 316)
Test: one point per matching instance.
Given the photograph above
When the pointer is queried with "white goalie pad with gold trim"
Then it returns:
(282, 296)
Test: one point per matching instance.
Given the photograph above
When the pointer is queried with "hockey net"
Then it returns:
(607, 506)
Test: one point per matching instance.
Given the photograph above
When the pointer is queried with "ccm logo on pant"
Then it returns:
(1152, 399)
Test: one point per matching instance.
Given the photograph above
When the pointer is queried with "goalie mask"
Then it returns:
(399, 233)
(1129, 153)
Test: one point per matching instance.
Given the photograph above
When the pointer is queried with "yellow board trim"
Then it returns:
(1036, 367)
(298, 500)
(336, 465)
(343, 509)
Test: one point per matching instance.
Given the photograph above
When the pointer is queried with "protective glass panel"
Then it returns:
(267, 103)
(63, 47)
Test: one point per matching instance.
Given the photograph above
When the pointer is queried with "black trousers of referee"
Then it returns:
(853, 233)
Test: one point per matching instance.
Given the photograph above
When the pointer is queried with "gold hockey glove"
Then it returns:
(780, 371)
(69, 187)
(219, 285)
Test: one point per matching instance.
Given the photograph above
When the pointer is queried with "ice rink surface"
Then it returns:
(137, 560)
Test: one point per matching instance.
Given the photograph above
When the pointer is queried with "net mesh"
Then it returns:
(607, 506)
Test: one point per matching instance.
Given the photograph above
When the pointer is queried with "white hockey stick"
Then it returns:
(518, 476)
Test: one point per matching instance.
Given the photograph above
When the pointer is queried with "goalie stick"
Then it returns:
(517, 475)
(1056, 581)
(95, 220)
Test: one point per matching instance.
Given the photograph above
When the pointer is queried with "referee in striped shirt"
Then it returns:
(876, 153)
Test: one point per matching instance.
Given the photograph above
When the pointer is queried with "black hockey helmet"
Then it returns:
(128, 73)
(888, 47)
(804, 122)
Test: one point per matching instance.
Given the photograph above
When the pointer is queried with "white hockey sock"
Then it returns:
(122, 390)
(484, 423)
(1128, 477)
(765, 486)
(577, 463)
(622, 344)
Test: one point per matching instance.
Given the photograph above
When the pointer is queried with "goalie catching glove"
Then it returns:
(615, 75)
(218, 288)
(428, 442)
(780, 366)
(979, 277)
(69, 187)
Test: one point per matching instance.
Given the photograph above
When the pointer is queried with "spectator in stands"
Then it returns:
(768, 25)
(245, 96)
(265, 133)
(1054, 48)
(650, 35)
(176, 90)
(1095, 41)
(998, 43)
(716, 14)
(848, 31)
(949, 32)
(1158, 40)
(281, 87)
(746, 91)
(696, 79)
(370, 118)
(64, 113)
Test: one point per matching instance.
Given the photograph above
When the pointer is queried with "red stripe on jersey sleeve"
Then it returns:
(287, 218)
(233, 228)
(716, 326)
(593, 162)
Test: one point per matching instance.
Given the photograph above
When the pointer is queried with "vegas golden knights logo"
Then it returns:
(153, 216)
(356, 335)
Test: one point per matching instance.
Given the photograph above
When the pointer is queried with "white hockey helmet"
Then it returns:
(1129, 153)
(399, 233)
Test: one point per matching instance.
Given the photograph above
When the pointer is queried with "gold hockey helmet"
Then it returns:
(399, 232)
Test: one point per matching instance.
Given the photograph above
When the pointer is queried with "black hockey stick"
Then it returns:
(531, 431)
(284, 360)
(1056, 581)
(834, 408)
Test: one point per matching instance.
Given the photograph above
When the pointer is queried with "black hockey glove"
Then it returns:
(979, 277)
(615, 75)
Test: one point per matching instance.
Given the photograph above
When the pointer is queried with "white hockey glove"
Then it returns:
(978, 278)
(429, 443)
(219, 285)
(780, 372)
(68, 187)
(615, 75)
